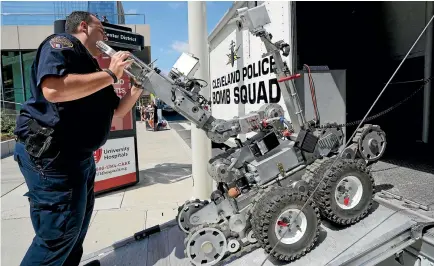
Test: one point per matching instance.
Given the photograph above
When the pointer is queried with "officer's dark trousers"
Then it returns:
(61, 203)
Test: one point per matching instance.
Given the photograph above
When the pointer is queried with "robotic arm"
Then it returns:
(181, 91)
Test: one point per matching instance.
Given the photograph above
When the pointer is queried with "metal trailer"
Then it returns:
(390, 235)
(404, 21)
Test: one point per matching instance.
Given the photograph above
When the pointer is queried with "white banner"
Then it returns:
(116, 158)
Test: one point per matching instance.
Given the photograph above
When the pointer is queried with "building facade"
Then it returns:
(21, 36)
(45, 13)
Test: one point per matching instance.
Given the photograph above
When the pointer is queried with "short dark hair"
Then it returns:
(74, 20)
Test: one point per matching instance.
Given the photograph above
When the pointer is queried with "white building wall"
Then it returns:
(249, 83)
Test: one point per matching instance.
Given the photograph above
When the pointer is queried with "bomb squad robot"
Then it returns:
(276, 187)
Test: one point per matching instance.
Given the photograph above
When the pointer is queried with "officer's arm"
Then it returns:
(73, 86)
(127, 102)
(54, 77)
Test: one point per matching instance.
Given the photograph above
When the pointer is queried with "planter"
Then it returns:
(8, 148)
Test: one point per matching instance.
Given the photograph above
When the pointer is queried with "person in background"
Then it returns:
(66, 119)
(155, 111)
(143, 113)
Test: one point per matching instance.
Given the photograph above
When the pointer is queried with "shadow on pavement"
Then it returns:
(383, 187)
(167, 173)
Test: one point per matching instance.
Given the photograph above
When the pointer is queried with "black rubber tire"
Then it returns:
(257, 200)
(265, 214)
(324, 195)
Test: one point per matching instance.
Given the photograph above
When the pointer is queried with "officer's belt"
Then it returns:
(36, 128)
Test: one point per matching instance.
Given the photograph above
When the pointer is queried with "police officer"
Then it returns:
(67, 118)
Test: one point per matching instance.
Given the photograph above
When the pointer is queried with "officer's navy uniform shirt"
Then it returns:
(81, 126)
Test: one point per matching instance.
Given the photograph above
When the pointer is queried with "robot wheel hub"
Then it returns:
(291, 226)
(373, 146)
(207, 247)
(233, 245)
(349, 192)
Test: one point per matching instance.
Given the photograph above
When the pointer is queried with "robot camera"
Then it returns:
(253, 18)
(186, 66)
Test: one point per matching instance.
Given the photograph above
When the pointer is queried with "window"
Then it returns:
(12, 89)
(28, 58)
(16, 77)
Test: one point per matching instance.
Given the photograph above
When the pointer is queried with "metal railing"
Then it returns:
(12, 98)
(56, 16)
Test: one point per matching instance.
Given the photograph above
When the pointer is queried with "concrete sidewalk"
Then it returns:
(165, 183)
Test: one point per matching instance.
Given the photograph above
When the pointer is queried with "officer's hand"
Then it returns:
(117, 63)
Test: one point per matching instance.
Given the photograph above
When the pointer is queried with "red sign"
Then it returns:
(122, 87)
(97, 155)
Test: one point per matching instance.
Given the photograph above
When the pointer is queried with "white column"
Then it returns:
(200, 144)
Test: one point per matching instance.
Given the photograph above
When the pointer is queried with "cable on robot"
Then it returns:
(380, 113)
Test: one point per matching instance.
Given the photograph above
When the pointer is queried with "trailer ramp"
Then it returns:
(385, 229)
(340, 246)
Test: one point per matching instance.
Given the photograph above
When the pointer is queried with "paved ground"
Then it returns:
(183, 128)
(10, 179)
(165, 183)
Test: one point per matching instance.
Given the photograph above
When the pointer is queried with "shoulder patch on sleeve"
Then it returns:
(60, 42)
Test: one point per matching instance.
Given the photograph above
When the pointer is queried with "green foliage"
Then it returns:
(7, 124)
